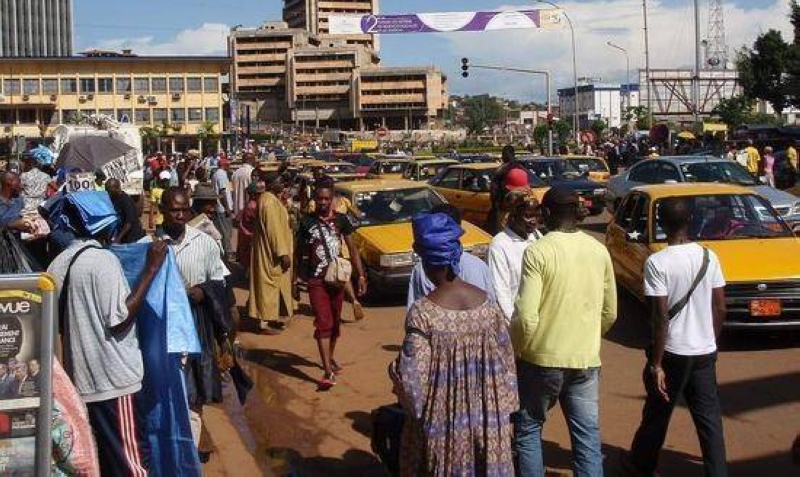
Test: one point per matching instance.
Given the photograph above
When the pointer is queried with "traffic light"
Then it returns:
(550, 120)
(465, 67)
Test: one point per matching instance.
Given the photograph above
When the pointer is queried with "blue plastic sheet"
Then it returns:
(166, 330)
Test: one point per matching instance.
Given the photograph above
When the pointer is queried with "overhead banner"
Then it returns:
(445, 22)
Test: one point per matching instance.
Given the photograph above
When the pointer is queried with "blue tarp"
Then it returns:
(166, 330)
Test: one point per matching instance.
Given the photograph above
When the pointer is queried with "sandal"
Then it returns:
(336, 368)
(328, 381)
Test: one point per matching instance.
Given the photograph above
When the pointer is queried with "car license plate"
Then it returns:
(765, 308)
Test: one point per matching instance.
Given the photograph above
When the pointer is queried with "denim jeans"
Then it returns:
(694, 378)
(577, 392)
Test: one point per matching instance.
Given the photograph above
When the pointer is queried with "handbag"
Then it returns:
(681, 304)
(339, 270)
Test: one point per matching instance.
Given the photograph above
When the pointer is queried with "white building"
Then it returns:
(595, 101)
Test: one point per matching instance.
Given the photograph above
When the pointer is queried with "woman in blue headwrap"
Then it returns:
(455, 376)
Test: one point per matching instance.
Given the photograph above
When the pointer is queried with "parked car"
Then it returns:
(752, 242)
(467, 187)
(698, 169)
(597, 167)
(553, 171)
(424, 170)
(385, 238)
(387, 168)
(338, 171)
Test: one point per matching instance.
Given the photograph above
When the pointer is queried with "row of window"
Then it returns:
(12, 86)
(262, 51)
(323, 83)
(138, 116)
(386, 92)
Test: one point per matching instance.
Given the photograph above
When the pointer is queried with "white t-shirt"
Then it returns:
(505, 258)
(671, 273)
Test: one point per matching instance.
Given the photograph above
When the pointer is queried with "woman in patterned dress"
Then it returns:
(455, 376)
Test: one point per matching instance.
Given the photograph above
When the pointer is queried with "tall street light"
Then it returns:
(627, 73)
(574, 64)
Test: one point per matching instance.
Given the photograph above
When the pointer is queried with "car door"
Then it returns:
(616, 237)
(627, 241)
(475, 186)
(448, 184)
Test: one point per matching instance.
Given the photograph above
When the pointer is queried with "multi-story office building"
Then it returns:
(37, 94)
(313, 16)
(288, 74)
(35, 28)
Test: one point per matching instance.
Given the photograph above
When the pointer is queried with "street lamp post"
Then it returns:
(627, 73)
(574, 64)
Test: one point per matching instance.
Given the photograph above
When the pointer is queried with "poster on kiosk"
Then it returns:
(27, 327)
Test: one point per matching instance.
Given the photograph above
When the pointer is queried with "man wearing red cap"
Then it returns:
(503, 178)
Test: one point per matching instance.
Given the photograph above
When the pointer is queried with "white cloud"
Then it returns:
(619, 21)
(208, 39)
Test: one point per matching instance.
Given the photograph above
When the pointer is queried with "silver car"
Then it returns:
(675, 169)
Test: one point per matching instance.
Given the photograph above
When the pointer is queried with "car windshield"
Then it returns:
(719, 171)
(589, 164)
(548, 171)
(340, 169)
(392, 167)
(730, 217)
(429, 171)
(391, 206)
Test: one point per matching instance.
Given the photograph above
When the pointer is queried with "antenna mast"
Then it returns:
(717, 48)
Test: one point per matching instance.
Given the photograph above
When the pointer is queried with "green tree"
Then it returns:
(793, 58)
(734, 111)
(598, 126)
(562, 129)
(640, 114)
(540, 136)
(763, 70)
(480, 112)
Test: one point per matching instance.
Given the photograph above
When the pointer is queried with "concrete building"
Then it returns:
(37, 94)
(35, 28)
(283, 74)
(594, 102)
(313, 15)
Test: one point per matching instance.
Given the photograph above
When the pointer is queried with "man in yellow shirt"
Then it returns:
(753, 158)
(791, 155)
(567, 301)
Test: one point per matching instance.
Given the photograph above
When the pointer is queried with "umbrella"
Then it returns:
(43, 155)
(89, 153)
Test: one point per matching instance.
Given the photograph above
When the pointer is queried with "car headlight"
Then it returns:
(599, 192)
(796, 208)
(479, 250)
(396, 260)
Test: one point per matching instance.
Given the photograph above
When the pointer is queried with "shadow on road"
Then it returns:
(631, 328)
(758, 393)
(362, 422)
(353, 462)
(279, 361)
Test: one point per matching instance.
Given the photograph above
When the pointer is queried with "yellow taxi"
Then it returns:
(385, 238)
(597, 167)
(757, 250)
(338, 171)
(388, 168)
(423, 170)
(467, 187)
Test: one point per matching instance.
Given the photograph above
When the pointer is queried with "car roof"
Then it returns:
(337, 163)
(371, 185)
(392, 159)
(686, 189)
(688, 159)
(426, 162)
(480, 166)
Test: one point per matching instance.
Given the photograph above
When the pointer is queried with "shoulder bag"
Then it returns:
(339, 270)
(680, 305)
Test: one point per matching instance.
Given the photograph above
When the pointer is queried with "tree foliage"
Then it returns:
(640, 114)
(793, 58)
(480, 112)
(734, 111)
(598, 126)
(763, 70)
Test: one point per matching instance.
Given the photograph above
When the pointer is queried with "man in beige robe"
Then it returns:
(271, 301)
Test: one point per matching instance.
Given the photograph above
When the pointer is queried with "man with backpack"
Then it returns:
(686, 288)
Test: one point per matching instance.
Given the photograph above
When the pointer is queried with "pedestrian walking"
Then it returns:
(455, 374)
(498, 187)
(99, 339)
(241, 180)
(247, 225)
(753, 158)
(567, 302)
(687, 295)
(154, 218)
(130, 224)
(222, 187)
(320, 238)
(473, 270)
(769, 166)
(271, 301)
(508, 248)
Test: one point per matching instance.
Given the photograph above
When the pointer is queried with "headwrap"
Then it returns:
(437, 240)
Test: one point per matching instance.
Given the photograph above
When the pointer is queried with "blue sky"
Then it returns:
(199, 26)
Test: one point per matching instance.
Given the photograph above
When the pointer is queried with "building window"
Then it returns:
(177, 115)
(212, 115)
(68, 116)
(123, 85)
(88, 86)
(49, 116)
(69, 85)
(7, 116)
(176, 85)
(159, 85)
(11, 86)
(85, 113)
(124, 115)
(141, 86)
(194, 85)
(142, 116)
(50, 86)
(27, 116)
(211, 85)
(195, 115)
(159, 115)
(105, 85)
(30, 86)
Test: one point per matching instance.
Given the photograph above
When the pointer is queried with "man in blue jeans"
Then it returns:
(567, 301)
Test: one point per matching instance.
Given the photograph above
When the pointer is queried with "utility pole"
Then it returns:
(647, 66)
(697, 62)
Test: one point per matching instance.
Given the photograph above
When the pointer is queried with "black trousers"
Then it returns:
(119, 430)
(695, 379)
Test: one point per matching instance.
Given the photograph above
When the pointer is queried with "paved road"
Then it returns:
(290, 427)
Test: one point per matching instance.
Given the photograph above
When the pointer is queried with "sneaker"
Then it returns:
(328, 381)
